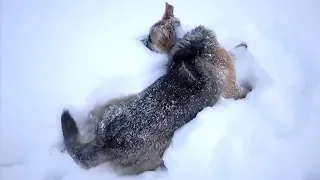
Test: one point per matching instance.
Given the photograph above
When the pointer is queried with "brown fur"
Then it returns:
(223, 63)
(163, 35)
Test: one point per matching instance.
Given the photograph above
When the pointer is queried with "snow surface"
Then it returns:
(57, 54)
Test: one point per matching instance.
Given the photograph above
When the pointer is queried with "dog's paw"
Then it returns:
(241, 45)
(238, 49)
(245, 88)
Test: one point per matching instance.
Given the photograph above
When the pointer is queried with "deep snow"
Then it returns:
(57, 54)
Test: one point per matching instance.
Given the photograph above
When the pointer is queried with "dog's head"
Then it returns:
(162, 35)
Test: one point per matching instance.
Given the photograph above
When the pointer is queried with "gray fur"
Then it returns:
(133, 133)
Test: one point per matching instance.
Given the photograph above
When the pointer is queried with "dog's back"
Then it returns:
(134, 134)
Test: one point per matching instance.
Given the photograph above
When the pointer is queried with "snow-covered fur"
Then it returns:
(133, 132)
(163, 35)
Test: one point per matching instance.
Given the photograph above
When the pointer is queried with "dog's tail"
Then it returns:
(196, 42)
(86, 155)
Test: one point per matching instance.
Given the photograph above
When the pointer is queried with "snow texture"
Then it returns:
(75, 54)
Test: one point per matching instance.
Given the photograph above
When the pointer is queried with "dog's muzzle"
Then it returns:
(147, 42)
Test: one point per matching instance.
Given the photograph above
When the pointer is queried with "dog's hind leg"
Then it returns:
(96, 114)
(235, 91)
(244, 88)
(225, 70)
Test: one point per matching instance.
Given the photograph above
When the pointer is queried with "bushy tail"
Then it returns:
(196, 42)
(86, 155)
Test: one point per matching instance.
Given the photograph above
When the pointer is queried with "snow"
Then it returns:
(58, 54)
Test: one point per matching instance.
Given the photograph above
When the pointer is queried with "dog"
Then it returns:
(162, 36)
(133, 132)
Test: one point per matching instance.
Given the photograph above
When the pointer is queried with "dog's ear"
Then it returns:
(168, 12)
